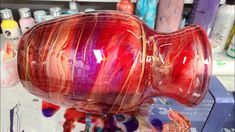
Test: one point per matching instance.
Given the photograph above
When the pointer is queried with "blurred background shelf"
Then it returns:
(186, 1)
(103, 1)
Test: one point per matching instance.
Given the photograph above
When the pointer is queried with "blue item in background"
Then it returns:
(229, 125)
(38, 15)
(147, 11)
(214, 114)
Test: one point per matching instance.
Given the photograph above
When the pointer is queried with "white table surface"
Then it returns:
(27, 113)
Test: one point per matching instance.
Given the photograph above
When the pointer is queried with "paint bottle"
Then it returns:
(73, 8)
(9, 26)
(55, 11)
(38, 15)
(231, 49)
(26, 21)
(184, 20)
(203, 13)
(146, 10)
(223, 24)
(169, 15)
(125, 6)
(182, 23)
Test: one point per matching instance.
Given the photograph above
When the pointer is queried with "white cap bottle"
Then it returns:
(9, 26)
(55, 11)
(26, 20)
(73, 8)
(223, 24)
(38, 15)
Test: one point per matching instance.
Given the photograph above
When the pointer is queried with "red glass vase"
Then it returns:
(109, 62)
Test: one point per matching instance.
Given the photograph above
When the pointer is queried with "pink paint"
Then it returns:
(9, 74)
(26, 24)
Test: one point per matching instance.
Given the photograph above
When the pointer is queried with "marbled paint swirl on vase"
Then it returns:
(87, 62)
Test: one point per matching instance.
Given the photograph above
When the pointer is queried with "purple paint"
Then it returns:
(14, 116)
(132, 124)
(157, 124)
(49, 112)
(203, 13)
(49, 109)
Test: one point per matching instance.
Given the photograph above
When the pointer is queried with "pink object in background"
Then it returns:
(26, 21)
(169, 15)
(126, 6)
(26, 24)
(9, 74)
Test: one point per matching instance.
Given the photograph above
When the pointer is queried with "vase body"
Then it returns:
(86, 62)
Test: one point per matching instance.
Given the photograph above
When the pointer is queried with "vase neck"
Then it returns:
(181, 65)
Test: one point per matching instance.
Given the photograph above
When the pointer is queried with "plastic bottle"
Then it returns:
(9, 26)
(223, 24)
(125, 6)
(55, 11)
(26, 21)
(169, 15)
(38, 15)
(73, 8)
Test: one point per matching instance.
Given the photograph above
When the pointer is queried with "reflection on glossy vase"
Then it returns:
(87, 62)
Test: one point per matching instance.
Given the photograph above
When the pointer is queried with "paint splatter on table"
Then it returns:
(21, 112)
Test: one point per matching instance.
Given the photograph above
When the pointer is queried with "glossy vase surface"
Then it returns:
(87, 62)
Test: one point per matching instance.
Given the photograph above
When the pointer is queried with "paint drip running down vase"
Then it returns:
(126, 6)
(87, 62)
